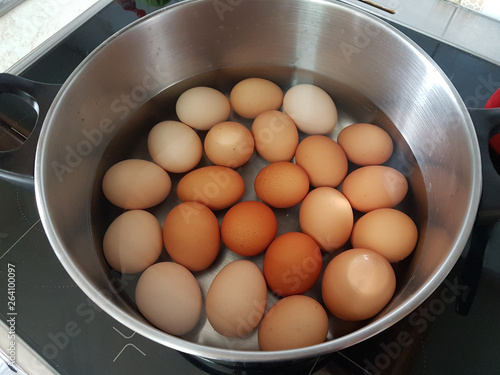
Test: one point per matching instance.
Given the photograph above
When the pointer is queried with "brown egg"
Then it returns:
(229, 144)
(357, 284)
(323, 160)
(374, 186)
(191, 235)
(133, 241)
(236, 299)
(169, 296)
(215, 186)
(136, 184)
(293, 322)
(248, 228)
(326, 215)
(252, 96)
(366, 144)
(389, 232)
(276, 136)
(281, 184)
(292, 264)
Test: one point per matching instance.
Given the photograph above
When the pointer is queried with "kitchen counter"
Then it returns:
(34, 26)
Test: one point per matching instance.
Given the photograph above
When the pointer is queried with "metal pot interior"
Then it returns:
(374, 74)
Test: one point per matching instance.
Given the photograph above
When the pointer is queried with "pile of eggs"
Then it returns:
(311, 174)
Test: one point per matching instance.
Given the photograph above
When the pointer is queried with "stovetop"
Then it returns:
(60, 323)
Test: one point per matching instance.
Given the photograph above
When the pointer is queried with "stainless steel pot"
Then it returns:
(374, 73)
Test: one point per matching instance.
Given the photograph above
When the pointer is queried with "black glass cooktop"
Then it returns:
(61, 323)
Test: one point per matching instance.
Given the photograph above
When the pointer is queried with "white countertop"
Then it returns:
(34, 26)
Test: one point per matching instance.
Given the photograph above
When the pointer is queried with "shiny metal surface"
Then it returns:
(372, 71)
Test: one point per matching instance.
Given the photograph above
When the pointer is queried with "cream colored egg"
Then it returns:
(133, 241)
(136, 184)
(169, 296)
(252, 96)
(311, 108)
(175, 146)
(276, 136)
(236, 299)
(202, 107)
(323, 160)
(326, 215)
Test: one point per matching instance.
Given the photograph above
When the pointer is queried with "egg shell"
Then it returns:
(202, 107)
(169, 296)
(136, 184)
(236, 299)
(191, 235)
(311, 108)
(375, 186)
(366, 144)
(276, 136)
(215, 186)
(229, 144)
(281, 184)
(293, 322)
(252, 96)
(389, 232)
(133, 241)
(174, 146)
(323, 160)
(292, 264)
(326, 215)
(357, 284)
(248, 228)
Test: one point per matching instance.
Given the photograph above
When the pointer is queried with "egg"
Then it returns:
(375, 186)
(276, 136)
(248, 228)
(252, 96)
(292, 264)
(174, 146)
(202, 107)
(293, 322)
(136, 184)
(323, 160)
(357, 284)
(311, 108)
(191, 235)
(215, 186)
(169, 296)
(133, 241)
(236, 299)
(281, 184)
(229, 144)
(366, 144)
(326, 215)
(389, 232)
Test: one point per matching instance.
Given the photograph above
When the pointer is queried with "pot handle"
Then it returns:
(17, 165)
(487, 124)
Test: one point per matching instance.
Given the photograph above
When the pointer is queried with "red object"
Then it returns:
(131, 6)
(494, 100)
